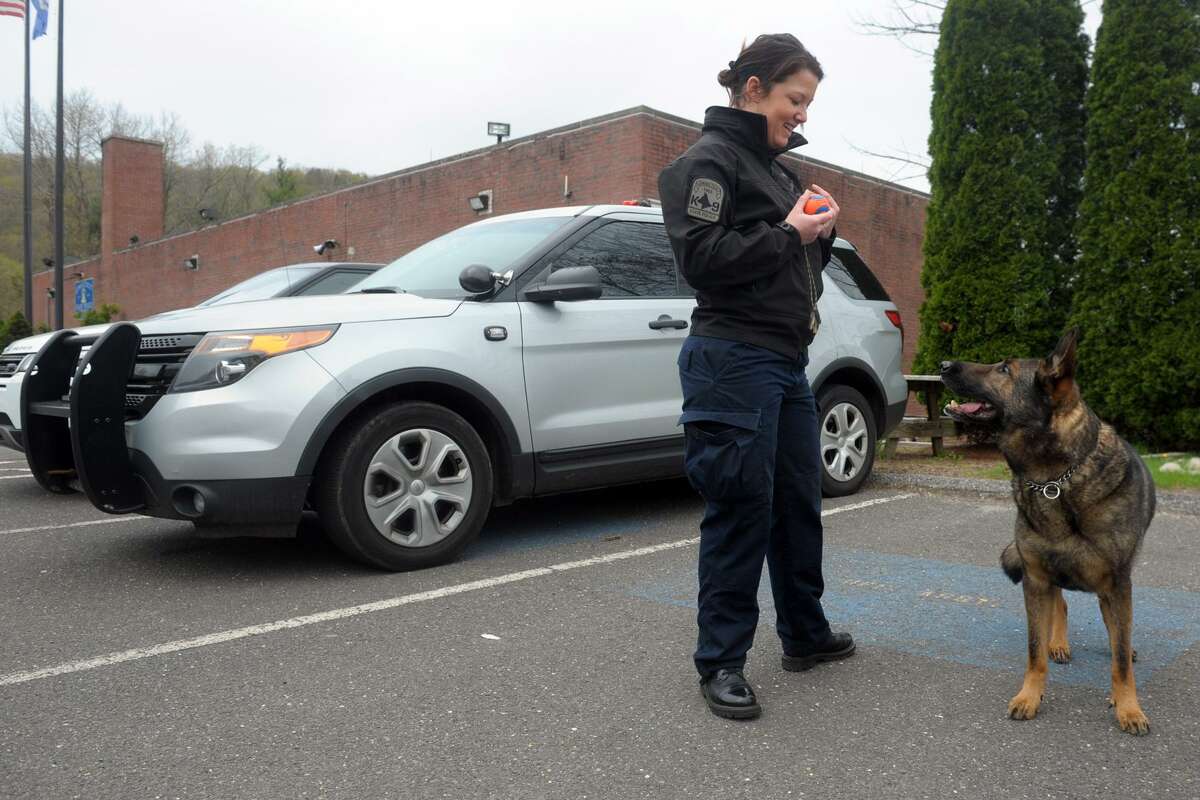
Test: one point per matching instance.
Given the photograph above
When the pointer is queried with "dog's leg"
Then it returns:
(1117, 607)
(1039, 609)
(1060, 649)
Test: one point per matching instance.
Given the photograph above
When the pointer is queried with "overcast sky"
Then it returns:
(379, 85)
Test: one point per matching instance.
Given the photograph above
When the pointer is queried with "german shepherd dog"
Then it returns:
(1084, 501)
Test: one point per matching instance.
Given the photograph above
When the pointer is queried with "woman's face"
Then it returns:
(785, 106)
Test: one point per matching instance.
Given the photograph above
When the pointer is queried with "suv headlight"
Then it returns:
(224, 358)
(25, 362)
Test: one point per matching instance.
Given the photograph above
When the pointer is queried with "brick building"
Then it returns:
(602, 160)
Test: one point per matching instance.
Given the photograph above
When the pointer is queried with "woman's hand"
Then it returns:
(810, 226)
(834, 209)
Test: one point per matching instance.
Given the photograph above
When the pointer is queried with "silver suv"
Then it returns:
(292, 280)
(522, 355)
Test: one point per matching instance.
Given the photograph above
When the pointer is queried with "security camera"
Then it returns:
(134, 239)
(49, 262)
(207, 213)
(328, 244)
(192, 263)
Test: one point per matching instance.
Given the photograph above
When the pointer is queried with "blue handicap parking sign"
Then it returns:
(85, 296)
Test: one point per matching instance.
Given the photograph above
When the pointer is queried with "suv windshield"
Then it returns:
(262, 286)
(432, 269)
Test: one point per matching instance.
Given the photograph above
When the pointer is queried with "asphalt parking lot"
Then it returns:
(554, 661)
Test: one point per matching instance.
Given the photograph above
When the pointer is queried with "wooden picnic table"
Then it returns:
(934, 425)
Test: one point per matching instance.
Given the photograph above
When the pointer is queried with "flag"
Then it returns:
(43, 14)
(12, 8)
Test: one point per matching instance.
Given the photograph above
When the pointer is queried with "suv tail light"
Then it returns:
(894, 317)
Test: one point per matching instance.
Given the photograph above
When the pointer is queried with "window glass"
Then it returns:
(868, 285)
(835, 270)
(432, 269)
(262, 286)
(335, 282)
(633, 259)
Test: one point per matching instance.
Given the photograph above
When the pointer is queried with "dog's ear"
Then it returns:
(1056, 372)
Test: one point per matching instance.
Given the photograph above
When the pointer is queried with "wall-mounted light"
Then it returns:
(328, 244)
(208, 214)
(49, 262)
(482, 202)
(77, 276)
(192, 263)
(499, 130)
(133, 240)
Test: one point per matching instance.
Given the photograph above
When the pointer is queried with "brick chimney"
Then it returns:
(132, 192)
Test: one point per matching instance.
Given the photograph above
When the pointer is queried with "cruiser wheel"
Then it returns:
(407, 487)
(847, 440)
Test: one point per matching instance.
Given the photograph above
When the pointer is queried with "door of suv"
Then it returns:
(602, 373)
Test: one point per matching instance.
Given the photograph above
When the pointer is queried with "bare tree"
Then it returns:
(912, 21)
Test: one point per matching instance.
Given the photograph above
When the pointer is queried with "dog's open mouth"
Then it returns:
(972, 411)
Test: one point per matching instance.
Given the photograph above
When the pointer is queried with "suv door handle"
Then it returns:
(666, 321)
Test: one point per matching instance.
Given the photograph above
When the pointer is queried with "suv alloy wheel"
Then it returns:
(847, 439)
(406, 487)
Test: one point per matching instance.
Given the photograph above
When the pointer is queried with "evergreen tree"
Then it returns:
(1007, 161)
(284, 186)
(1136, 300)
(18, 327)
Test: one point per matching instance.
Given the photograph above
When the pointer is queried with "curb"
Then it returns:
(1170, 502)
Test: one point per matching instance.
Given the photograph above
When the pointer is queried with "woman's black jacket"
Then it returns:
(722, 202)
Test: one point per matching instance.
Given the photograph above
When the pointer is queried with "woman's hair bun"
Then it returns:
(772, 57)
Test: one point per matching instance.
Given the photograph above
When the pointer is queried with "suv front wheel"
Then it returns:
(406, 487)
(847, 439)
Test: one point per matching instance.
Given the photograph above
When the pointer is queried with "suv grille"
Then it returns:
(8, 364)
(159, 360)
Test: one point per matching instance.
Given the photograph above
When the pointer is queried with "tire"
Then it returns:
(406, 487)
(847, 437)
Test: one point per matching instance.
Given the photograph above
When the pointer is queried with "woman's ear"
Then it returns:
(754, 90)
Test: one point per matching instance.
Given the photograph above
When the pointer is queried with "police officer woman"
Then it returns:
(740, 235)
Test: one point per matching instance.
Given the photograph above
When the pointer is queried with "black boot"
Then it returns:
(837, 646)
(729, 695)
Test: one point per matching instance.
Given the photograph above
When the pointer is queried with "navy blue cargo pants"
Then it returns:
(753, 453)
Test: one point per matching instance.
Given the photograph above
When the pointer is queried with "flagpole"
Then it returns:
(58, 184)
(28, 186)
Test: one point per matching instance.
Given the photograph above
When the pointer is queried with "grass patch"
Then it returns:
(1173, 480)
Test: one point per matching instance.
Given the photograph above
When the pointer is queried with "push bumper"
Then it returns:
(10, 437)
(75, 436)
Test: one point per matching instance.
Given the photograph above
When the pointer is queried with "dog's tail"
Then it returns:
(1010, 562)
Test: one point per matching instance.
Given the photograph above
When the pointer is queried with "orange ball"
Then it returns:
(817, 204)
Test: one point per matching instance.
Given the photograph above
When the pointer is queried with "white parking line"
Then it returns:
(19, 461)
(13, 477)
(368, 608)
(111, 521)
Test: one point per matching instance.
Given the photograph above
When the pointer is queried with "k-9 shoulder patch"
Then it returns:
(705, 200)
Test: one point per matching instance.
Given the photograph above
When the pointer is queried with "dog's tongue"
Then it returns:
(970, 408)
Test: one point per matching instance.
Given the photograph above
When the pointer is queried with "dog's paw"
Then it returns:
(1024, 705)
(1060, 653)
(1133, 720)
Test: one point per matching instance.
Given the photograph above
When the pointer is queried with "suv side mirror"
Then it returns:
(477, 279)
(569, 283)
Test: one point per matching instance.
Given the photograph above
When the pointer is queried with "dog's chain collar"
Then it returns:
(1051, 490)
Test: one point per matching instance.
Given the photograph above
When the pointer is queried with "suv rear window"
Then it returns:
(854, 277)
